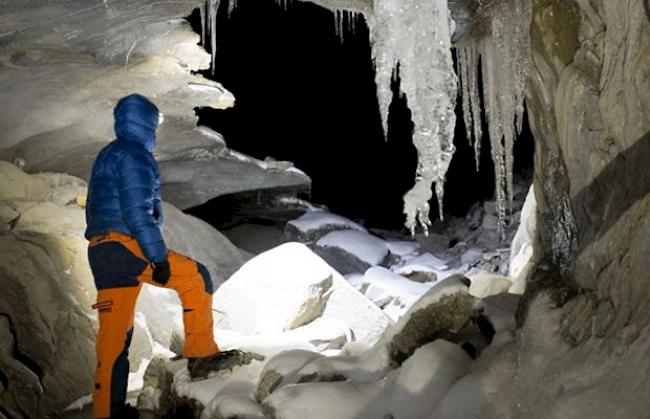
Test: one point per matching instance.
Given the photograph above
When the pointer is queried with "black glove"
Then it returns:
(161, 272)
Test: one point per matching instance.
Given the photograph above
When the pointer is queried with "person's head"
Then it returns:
(136, 119)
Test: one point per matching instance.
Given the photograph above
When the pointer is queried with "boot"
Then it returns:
(221, 361)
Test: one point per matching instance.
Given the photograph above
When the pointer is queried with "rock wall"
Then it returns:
(47, 325)
(589, 101)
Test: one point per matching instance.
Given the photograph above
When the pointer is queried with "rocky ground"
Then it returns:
(331, 306)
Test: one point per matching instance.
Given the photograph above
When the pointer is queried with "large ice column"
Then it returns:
(414, 37)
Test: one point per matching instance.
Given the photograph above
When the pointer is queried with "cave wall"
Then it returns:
(590, 101)
(588, 296)
(65, 63)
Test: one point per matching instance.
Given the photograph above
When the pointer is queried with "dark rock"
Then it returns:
(343, 262)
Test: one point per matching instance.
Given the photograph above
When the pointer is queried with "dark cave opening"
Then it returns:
(303, 95)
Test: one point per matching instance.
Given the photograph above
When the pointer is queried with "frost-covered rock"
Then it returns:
(49, 290)
(424, 262)
(382, 286)
(485, 284)
(289, 286)
(407, 392)
(313, 225)
(471, 255)
(280, 368)
(445, 311)
(350, 251)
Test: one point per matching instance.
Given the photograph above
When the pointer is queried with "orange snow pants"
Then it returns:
(119, 268)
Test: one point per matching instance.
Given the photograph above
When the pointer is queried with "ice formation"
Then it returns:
(504, 62)
(345, 21)
(411, 40)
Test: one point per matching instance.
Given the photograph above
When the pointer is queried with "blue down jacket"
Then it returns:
(124, 189)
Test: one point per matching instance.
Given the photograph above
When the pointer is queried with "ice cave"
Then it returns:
(408, 208)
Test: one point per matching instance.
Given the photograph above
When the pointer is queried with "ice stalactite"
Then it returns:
(213, 7)
(468, 68)
(416, 35)
(232, 5)
(282, 3)
(202, 17)
(345, 21)
(505, 60)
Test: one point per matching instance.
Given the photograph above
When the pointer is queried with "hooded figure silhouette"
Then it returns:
(126, 248)
(124, 189)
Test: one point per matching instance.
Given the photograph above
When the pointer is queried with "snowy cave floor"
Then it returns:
(344, 293)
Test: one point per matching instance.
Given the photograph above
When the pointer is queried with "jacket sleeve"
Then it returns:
(136, 185)
(158, 216)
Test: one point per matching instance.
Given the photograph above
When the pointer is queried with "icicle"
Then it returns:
(202, 17)
(475, 101)
(463, 77)
(403, 32)
(213, 7)
(232, 5)
(505, 57)
(338, 25)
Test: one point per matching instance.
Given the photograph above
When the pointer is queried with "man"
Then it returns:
(126, 249)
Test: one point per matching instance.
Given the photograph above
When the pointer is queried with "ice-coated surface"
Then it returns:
(364, 246)
(315, 220)
(505, 61)
(387, 285)
(412, 39)
(285, 287)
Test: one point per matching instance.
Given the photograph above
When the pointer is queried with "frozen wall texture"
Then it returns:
(65, 63)
(589, 99)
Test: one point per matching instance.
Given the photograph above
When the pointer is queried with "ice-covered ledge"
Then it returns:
(65, 63)
(470, 15)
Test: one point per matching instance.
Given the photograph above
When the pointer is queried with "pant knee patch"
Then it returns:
(114, 266)
(207, 280)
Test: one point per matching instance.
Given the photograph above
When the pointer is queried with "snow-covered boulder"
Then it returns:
(485, 284)
(281, 368)
(425, 262)
(445, 311)
(350, 251)
(289, 286)
(313, 225)
(471, 255)
(383, 287)
(407, 392)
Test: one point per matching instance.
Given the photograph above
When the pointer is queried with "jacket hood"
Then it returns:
(136, 119)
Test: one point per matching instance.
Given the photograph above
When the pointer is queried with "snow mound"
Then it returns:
(425, 262)
(383, 287)
(289, 286)
(485, 284)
